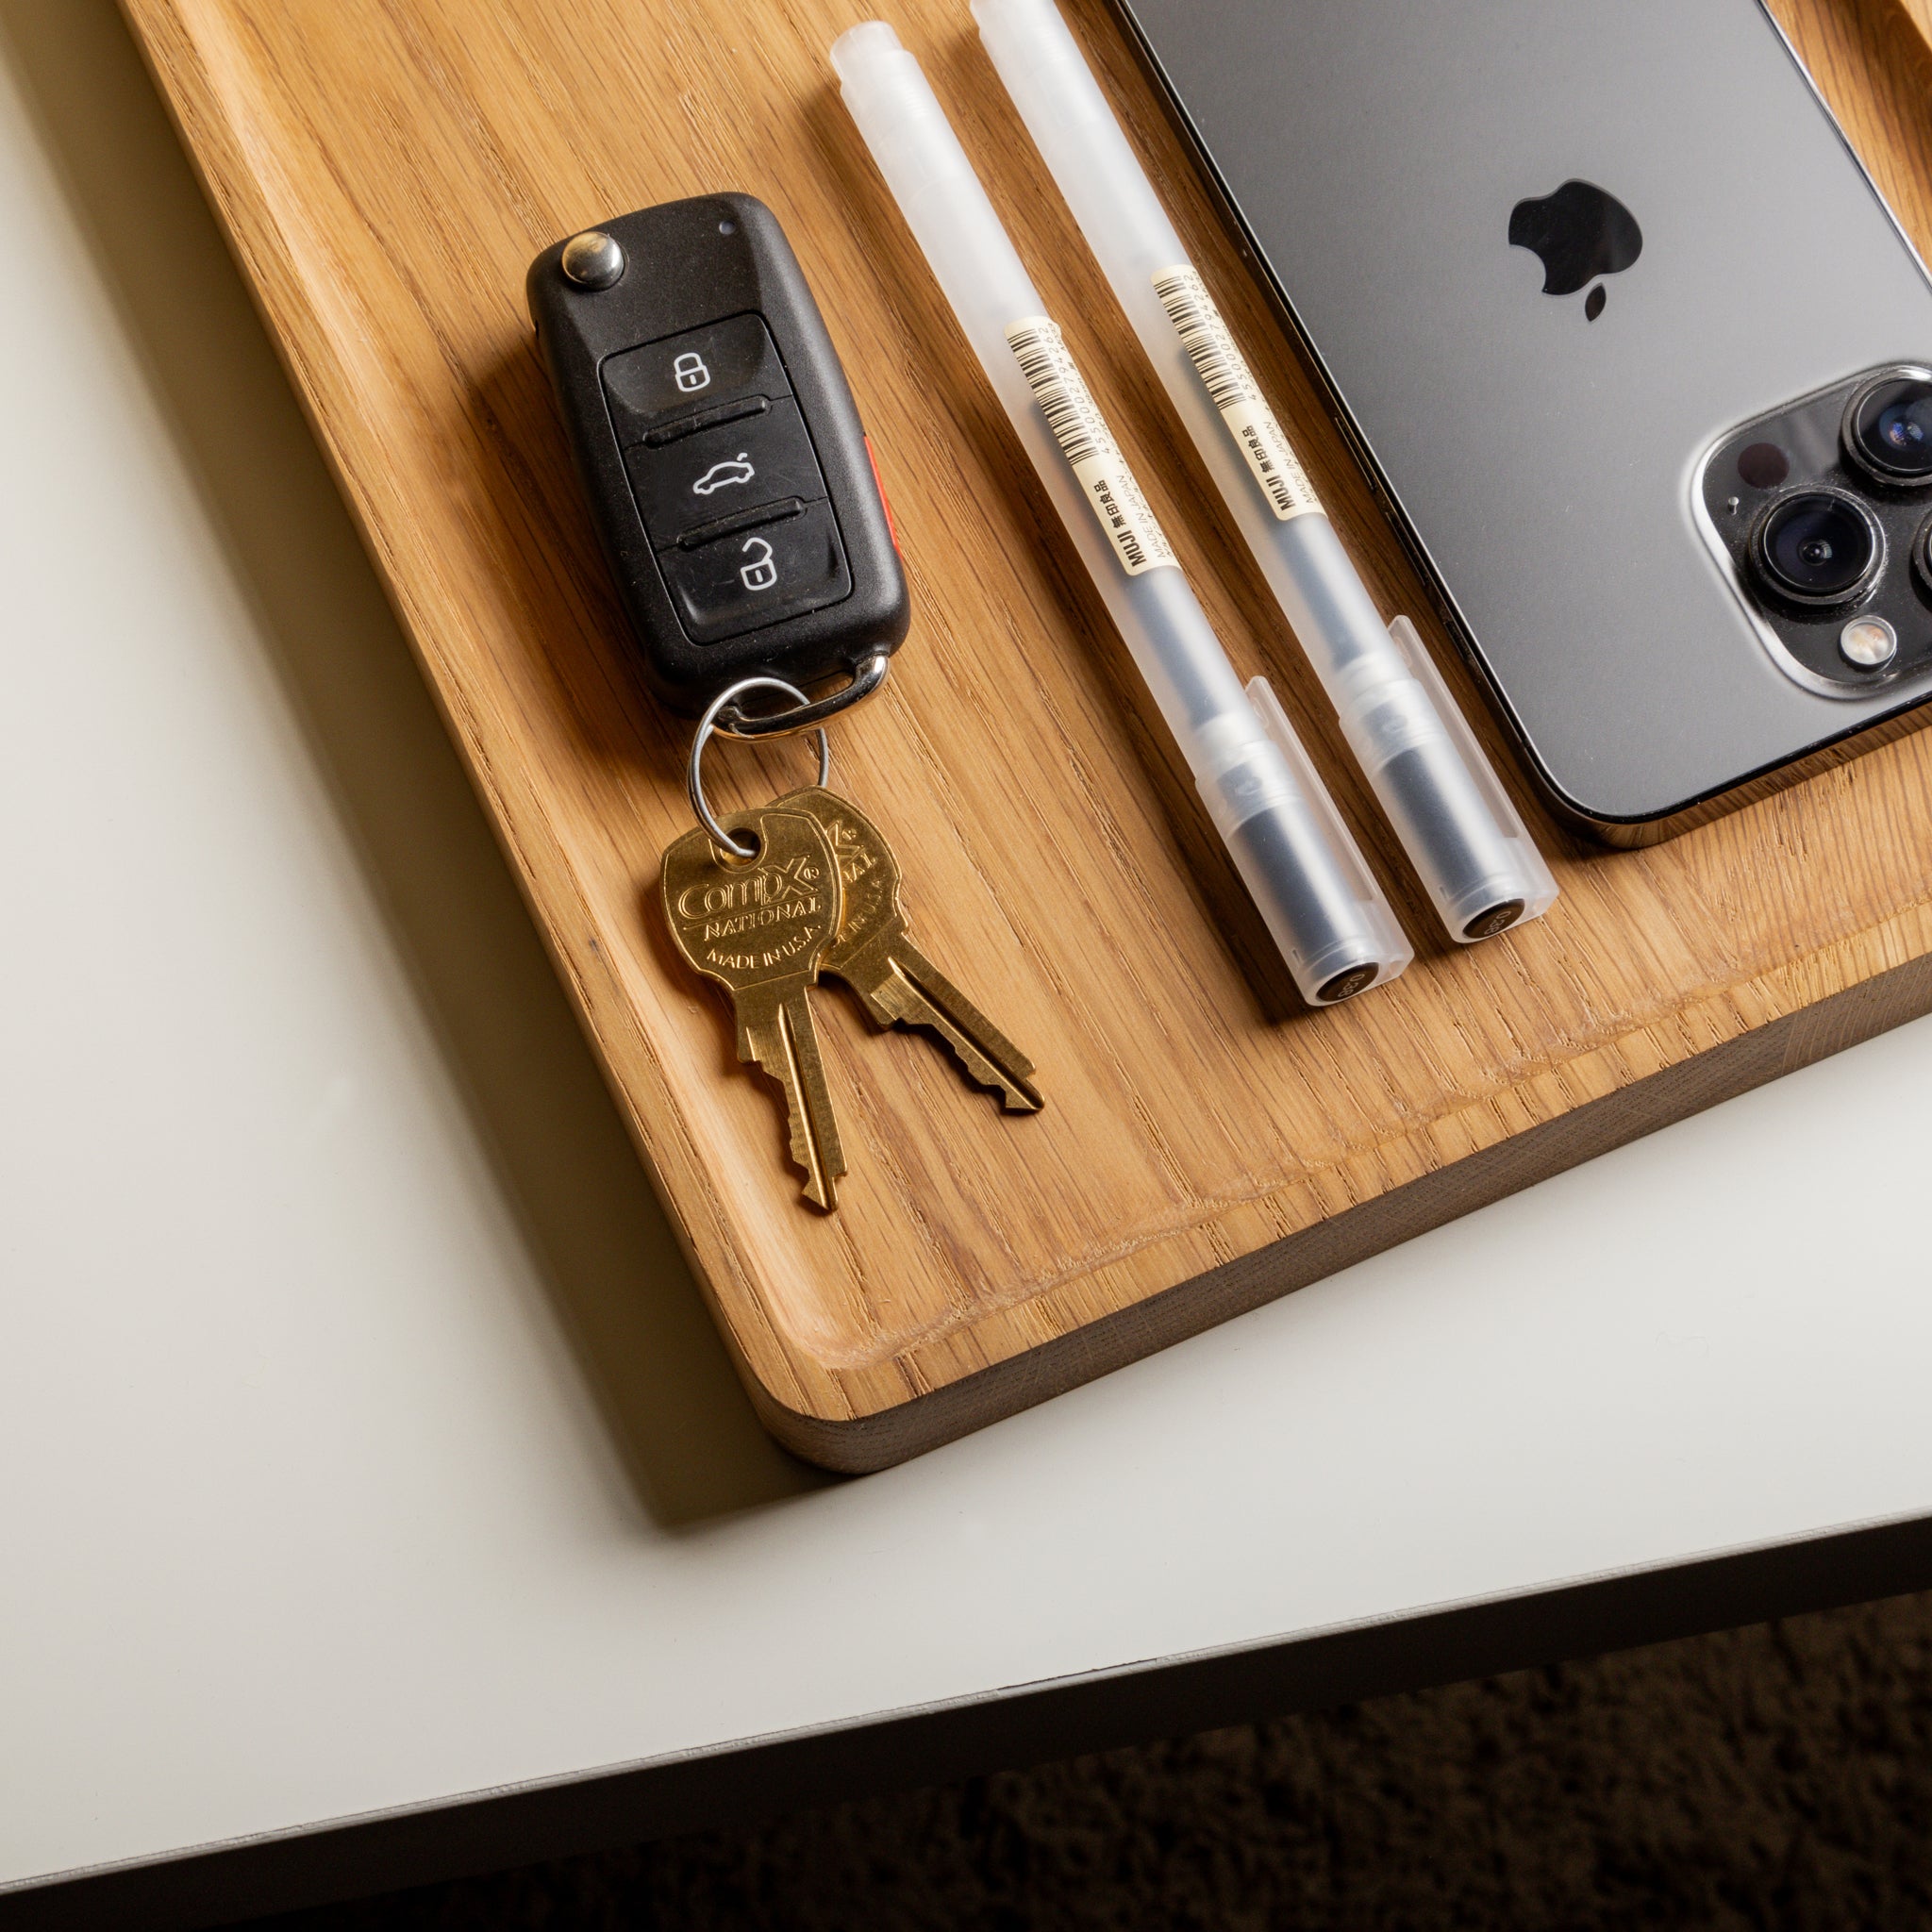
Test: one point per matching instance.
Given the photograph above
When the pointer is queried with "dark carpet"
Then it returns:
(1777, 1776)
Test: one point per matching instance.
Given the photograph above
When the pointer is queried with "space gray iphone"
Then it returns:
(1631, 345)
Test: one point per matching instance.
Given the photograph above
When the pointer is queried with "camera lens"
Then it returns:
(1816, 546)
(1889, 429)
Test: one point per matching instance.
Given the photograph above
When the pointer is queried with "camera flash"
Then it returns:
(1868, 642)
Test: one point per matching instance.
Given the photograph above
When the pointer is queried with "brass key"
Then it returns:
(874, 954)
(760, 928)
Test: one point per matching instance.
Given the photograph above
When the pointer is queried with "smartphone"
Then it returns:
(1633, 350)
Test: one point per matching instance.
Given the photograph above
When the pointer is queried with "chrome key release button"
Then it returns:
(594, 261)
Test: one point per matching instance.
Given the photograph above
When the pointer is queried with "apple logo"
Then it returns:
(1579, 233)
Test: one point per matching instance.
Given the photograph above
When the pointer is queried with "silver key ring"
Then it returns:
(707, 726)
(867, 676)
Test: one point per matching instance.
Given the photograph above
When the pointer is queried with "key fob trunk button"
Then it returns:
(716, 472)
(752, 577)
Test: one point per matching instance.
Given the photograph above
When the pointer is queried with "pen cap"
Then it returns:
(1295, 854)
(1466, 840)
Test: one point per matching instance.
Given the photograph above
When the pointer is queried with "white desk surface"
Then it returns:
(362, 1440)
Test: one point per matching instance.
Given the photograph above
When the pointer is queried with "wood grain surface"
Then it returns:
(387, 167)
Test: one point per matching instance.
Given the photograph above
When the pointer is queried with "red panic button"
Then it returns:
(885, 501)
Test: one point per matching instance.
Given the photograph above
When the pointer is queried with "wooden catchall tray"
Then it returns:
(388, 169)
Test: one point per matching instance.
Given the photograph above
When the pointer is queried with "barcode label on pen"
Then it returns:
(1234, 391)
(1088, 445)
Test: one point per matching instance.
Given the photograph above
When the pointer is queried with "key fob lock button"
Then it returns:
(719, 363)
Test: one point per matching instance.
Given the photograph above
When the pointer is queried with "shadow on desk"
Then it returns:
(682, 1426)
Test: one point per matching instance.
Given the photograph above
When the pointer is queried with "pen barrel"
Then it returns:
(1455, 825)
(964, 242)
(985, 285)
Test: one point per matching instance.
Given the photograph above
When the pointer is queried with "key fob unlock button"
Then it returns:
(752, 577)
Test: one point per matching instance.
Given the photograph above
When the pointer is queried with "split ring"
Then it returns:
(707, 726)
(867, 676)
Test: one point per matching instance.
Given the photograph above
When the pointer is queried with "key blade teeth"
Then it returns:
(759, 930)
(786, 1049)
(916, 993)
(820, 1164)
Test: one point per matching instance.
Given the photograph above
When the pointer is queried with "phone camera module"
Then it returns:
(1817, 547)
(1889, 429)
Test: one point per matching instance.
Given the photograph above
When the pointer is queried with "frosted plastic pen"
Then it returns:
(1463, 835)
(1320, 903)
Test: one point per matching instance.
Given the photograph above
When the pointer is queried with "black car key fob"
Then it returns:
(729, 478)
